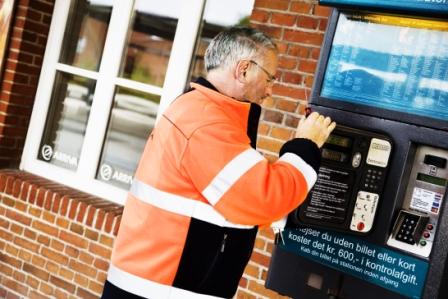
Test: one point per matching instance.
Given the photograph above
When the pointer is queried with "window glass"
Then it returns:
(85, 33)
(218, 15)
(67, 120)
(132, 120)
(150, 39)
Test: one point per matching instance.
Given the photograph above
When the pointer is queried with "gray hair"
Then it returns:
(234, 44)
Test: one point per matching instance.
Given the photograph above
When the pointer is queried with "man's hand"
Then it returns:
(315, 127)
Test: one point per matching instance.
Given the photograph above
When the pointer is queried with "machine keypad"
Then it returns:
(410, 227)
(372, 180)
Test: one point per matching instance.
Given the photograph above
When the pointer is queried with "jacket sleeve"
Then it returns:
(240, 183)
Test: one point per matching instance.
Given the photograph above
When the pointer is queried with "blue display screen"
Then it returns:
(391, 62)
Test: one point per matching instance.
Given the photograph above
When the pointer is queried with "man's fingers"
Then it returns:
(331, 127)
(313, 116)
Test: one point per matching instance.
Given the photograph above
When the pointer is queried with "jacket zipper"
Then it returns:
(223, 244)
(215, 259)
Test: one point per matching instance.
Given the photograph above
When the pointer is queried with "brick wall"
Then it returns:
(55, 242)
(22, 65)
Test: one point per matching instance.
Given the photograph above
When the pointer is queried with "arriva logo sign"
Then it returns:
(107, 173)
(48, 154)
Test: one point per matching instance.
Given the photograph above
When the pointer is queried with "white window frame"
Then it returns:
(106, 81)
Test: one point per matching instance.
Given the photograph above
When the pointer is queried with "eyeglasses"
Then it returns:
(271, 79)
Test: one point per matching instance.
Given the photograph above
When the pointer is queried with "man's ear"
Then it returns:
(241, 71)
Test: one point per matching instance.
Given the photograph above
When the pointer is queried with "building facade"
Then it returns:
(82, 83)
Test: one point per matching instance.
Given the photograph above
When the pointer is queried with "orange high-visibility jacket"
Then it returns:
(198, 195)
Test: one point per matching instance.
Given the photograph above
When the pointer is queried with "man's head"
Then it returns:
(241, 62)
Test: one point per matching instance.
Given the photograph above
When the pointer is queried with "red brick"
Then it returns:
(101, 264)
(15, 286)
(307, 22)
(7, 259)
(323, 23)
(24, 191)
(100, 215)
(91, 210)
(46, 288)
(273, 116)
(18, 217)
(42, 239)
(109, 222)
(62, 284)
(48, 202)
(293, 78)
(33, 194)
(36, 295)
(100, 250)
(56, 203)
(77, 228)
(39, 273)
(281, 133)
(67, 274)
(45, 228)
(260, 16)
(55, 256)
(26, 244)
(57, 245)
(301, 7)
(271, 145)
(117, 225)
(291, 121)
(107, 241)
(63, 223)
(64, 205)
(73, 239)
(287, 91)
(81, 212)
(83, 268)
(40, 198)
(273, 32)
(241, 294)
(30, 234)
(73, 209)
(52, 267)
(91, 235)
(322, 11)
(86, 258)
(84, 294)
(307, 66)
(287, 62)
(277, 4)
(313, 38)
(309, 81)
(96, 287)
(32, 282)
(38, 261)
(283, 19)
(72, 251)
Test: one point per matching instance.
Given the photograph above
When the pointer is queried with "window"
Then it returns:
(110, 69)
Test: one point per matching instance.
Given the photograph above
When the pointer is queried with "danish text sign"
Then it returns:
(378, 265)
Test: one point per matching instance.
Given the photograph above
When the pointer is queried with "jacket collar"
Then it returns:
(246, 114)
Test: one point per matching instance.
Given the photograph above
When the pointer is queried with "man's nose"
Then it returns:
(268, 91)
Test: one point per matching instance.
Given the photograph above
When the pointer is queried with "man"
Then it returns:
(201, 189)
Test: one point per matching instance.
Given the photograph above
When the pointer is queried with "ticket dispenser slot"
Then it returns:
(416, 223)
(350, 182)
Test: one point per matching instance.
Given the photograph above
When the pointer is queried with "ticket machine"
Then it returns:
(375, 225)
